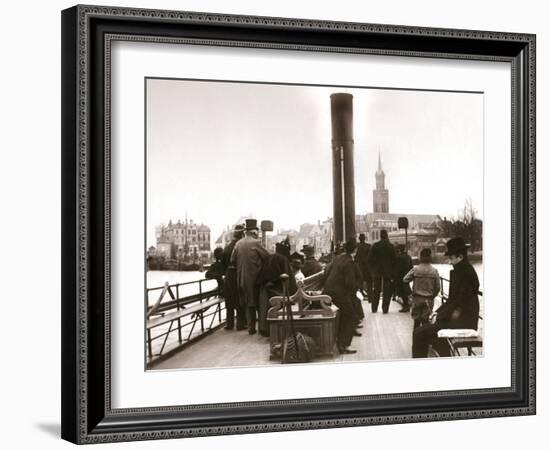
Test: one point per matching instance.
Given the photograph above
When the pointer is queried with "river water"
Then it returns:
(157, 278)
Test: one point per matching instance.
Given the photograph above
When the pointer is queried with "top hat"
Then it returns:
(455, 245)
(251, 224)
(350, 245)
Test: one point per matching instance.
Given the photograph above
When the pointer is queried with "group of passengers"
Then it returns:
(250, 276)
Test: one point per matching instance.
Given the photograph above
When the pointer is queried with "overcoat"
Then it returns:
(462, 307)
(362, 256)
(230, 288)
(311, 266)
(248, 257)
(342, 278)
(381, 259)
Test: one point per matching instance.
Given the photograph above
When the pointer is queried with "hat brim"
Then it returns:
(457, 249)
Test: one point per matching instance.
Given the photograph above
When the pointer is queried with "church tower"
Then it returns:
(380, 196)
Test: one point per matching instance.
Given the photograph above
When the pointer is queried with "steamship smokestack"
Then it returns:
(342, 166)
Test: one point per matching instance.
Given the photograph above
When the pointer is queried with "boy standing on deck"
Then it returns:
(426, 285)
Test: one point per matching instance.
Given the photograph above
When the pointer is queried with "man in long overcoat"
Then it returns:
(362, 260)
(341, 283)
(248, 257)
(382, 265)
(230, 288)
(461, 310)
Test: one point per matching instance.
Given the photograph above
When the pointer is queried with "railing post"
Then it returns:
(220, 308)
(150, 344)
(178, 306)
(201, 312)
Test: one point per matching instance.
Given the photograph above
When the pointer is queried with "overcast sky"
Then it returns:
(218, 151)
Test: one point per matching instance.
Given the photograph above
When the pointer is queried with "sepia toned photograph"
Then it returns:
(311, 224)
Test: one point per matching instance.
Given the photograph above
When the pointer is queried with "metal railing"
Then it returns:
(445, 294)
(172, 303)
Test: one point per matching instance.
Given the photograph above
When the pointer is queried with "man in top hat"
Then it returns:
(382, 265)
(311, 265)
(231, 290)
(248, 257)
(461, 310)
(341, 283)
(362, 260)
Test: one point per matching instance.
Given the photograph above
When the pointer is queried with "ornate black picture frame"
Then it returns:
(87, 34)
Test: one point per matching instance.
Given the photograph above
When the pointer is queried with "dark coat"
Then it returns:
(216, 272)
(462, 307)
(362, 256)
(342, 279)
(274, 266)
(311, 266)
(230, 289)
(403, 263)
(248, 257)
(381, 259)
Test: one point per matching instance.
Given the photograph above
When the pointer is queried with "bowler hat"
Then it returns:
(307, 250)
(238, 231)
(455, 245)
(251, 224)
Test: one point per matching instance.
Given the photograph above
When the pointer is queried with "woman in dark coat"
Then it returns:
(461, 311)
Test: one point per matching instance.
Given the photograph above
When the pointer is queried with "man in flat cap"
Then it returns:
(248, 257)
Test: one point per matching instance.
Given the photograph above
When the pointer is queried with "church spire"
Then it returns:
(380, 194)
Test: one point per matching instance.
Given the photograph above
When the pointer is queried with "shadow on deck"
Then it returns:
(385, 337)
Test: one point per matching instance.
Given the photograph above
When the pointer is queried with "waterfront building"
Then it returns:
(185, 240)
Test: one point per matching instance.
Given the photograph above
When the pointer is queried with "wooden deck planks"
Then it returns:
(385, 336)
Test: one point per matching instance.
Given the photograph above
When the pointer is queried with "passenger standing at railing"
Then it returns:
(426, 286)
(216, 270)
(460, 311)
(248, 257)
(230, 290)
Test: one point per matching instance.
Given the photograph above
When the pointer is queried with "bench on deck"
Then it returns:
(458, 339)
(195, 310)
(313, 315)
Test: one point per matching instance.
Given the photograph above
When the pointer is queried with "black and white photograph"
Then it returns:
(311, 224)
